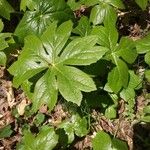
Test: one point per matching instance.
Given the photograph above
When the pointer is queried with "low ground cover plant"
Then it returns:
(74, 74)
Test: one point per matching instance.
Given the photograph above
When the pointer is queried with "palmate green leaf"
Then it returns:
(71, 81)
(107, 35)
(31, 61)
(45, 91)
(83, 28)
(142, 3)
(125, 49)
(51, 56)
(5, 9)
(36, 21)
(46, 139)
(79, 52)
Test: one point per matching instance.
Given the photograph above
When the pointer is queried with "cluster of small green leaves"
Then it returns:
(57, 58)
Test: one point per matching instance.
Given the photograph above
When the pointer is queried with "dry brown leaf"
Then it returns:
(21, 106)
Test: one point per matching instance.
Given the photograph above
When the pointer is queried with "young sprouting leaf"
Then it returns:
(6, 132)
(5, 9)
(142, 3)
(75, 125)
(83, 28)
(52, 57)
(102, 141)
(46, 139)
(36, 21)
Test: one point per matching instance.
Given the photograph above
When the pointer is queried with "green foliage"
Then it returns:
(5, 9)
(45, 139)
(6, 132)
(31, 4)
(103, 141)
(143, 47)
(125, 49)
(83, 28)
(3, 44)
(146, 114)
(35, 21)
(103, 10)
(147, 75)
(75, 125)
(72, 51)
(128, 94)
(142, 3)
(44, 54)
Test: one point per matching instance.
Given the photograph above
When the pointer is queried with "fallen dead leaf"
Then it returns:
(21, 106)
